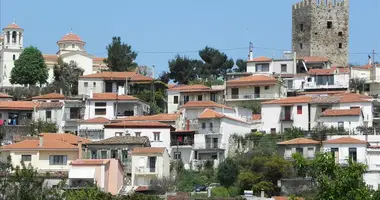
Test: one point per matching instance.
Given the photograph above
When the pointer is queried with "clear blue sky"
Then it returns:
(178, 26)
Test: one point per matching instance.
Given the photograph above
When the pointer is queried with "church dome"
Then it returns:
(70, 37)
(13, 26)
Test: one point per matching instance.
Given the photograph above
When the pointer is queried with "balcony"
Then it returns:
(73, 117)
(239, 97)
(313, 85)
(145, 170)
(210, 146)
(185, 143)
(92, 134)
(210, 131)
(286, 117)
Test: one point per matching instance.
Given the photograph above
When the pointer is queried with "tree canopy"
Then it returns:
(183, 69)
(66, 76)
(29, 68)
(227, 172)
(216, 64)
(121, 57)
(241, 65)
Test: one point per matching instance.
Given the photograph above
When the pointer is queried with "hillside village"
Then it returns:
(125, 130)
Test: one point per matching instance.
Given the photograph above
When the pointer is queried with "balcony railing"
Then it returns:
(174, 143)
(210, 131)
(251, 96)
(92, 134)
(210, 146)
(286, 117)
(145, 170)
(313, 85)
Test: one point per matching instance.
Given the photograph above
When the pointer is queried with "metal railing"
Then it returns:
(251, 96)
(92, 134)
(313, 85)
(145, 170)
(181, 143)
(210, 146)
(211, 131)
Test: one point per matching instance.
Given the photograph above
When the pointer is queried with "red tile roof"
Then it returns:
(98, 59)
(34, 144)
(137, 124)
(158, 117)
(65, 137)
(13, 25)
(211, 114)
(90, 162)
(299, 141)
(148, 150)
(331, 71)
(368, 66)
(253, 80)
(50, 96)
(70, 37)
(345, 140)
(203, 104)
(314, 59)
(119, 76)
(18, 105)
(96, 120)
(323, 92)
(260, 59)
(112, 96)
(341, 112)
(290, 100)
(190, 88)
(256, 117)
(50, 57)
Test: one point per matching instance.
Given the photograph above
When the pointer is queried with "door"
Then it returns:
(287, 113)
(214, 143)
(108, 86)
(152, 164)
(257, 92)
(235, 93)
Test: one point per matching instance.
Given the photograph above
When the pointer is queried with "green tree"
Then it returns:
(253, 105)
(155, 100)
(121, 57)
(216, 64)
(164, 77)
(228, 172)
(183, 69)
(357, 84)
(241, 66)
(30, 68)
(41, 126)
(247, 179)
(66, 76)
(144, 70)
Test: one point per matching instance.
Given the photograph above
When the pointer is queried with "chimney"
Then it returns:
(41, 137)
(80, 149)
(91, 94)
(262, 194)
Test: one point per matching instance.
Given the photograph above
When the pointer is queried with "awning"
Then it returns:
(82, 173)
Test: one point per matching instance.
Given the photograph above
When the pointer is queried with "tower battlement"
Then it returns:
(320, 3)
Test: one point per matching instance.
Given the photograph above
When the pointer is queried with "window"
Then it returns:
(290, 84)
(152, 164)
(299, 110)
(352, 154)
(138, 134)
(177, 155)
(93, 154)
(85, 84)
(103, 154)
(340, 125)
(335, 154)
(354, 107)
(288, 153)
(14, 57)
(273, 130)
(235, 93)
(119, 134)
(211, 126)
(114, 154)
(301, 27)
(75, 113)
(100, 104)
(58, 160)
(262, 67)
(175, 99)
(48, 114)
(309, 79)
(323, 109)
(284, 68)
(299, 150)
(340, 45)
(203, 125)
(301, 45)
(100, 111)
(200, 97)
(366, 87)
(325, 80)
(94, 84)
(124, 155)
(310, 152)
(186, 99)
(72, 46)
(266, 87)
(213, 97)
(26, 158)
(156, 136)
(253, 130)
(329, 24)
(340, 33)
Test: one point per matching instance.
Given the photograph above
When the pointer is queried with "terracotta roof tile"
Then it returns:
(18, 105)
(290, 100)
(189, 88)
(345, 140)
(34, 144)
(98, 59)
(96, 120)
(322, 92)
(123, 140)
(70, 37)
(3, 95)
(158, 117)
(65, 137)
(140, 124)
(171, 85)
(299, 141)
(253, 80)
(368, 66)
(315, 59)
(203, 104)
(47, 105)
(13, 25)
(260, 59)
(90, 162)
(331, 71)
(325, 99)
(50, 57)
(211, 114)
(352, 97)
(148, 150)
(256, 117)
(341, 112)
(112, 96)
(50, 96)
(119, 76)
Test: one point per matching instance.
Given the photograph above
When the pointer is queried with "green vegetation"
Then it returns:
(41, 126)
(120, 57)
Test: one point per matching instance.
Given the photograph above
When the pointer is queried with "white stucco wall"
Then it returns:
(82, 61)
(248, 93)
(137, 107)
(95, 84)
(360, 73)
(350, 122)
(361, 150)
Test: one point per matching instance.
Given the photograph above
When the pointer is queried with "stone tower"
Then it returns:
(320, 28)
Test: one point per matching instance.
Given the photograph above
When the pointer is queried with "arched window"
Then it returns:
(14, 35)
(14, 57)
(8, 37)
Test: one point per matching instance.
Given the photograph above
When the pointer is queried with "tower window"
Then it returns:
(14, 57)
(340, 45)
(301, 45)
(301, 27)
(72, 46)
(340, 33)
(14, 35)
(329, 24)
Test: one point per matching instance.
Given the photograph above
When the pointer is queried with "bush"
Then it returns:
(220, 192)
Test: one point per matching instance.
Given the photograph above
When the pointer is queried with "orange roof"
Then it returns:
(34, 144)
(13, 25)
(148, 150)
(345, 140)
(338, 70)
(368, 66)
(189, 88)
(119, 76)
(202, 104)
(158, 117)
(341, 112)
(290, 100)
(50, 96)
(316, 59)
(1, 37)
(260, 59)
(65, 137)
(212, 114)
(171, 85)
(352, 97)
(253, 80)
(137, 124)
(112, 96)
(3, 95)
(256, 117)
(98, 59)
(299, 141)
(323, 92)
(96, 120)
(18, 105)
(50, 57)
(90, 162)
(70, 37)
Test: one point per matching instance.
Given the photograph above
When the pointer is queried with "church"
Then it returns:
(70, 48)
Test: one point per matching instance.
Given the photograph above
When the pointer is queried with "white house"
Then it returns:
(264, 65)
(149, 163)
(173, 119)
(92, 129)
(308, 148)
(181, 94)
(158, 133)
(346, 148)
